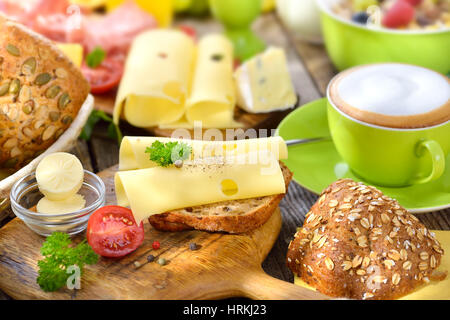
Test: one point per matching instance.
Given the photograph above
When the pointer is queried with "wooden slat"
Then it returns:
(273, 33)
(81, 150)
(104, 150)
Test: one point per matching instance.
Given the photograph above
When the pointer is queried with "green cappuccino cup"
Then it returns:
(387, 155)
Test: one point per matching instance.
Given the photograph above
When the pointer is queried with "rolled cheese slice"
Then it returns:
(156, 190)
(71, 204)
(59, 175)
(213, 97)
(156, 80)
(132, 149)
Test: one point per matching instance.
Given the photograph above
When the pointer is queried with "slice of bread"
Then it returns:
(41, 92)
(235, 216)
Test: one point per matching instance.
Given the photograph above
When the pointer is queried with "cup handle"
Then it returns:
(437, 158)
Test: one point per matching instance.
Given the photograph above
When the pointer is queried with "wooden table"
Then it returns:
(311, 71)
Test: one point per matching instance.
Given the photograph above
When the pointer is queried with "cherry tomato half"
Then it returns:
(113, 232)
(105, 77)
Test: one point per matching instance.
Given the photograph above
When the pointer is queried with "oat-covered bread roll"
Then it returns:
(358, 243)
(41, 92)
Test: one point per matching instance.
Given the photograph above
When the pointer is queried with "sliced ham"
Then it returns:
(59, 21)
(115, 32)
(62, 22)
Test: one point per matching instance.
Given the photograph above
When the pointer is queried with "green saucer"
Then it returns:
(317, 164)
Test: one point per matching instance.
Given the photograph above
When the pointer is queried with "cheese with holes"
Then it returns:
(212, 99)
(156, 80)
(263, 83)
(156, 190)
(132, 149)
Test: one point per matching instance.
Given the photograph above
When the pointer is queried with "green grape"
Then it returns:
(362, 5)
(181, 5)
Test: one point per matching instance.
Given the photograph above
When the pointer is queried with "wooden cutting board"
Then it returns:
(224, 266)
(256, 121)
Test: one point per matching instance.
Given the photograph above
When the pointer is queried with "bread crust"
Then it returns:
(358, 243)
(256, 212)
(42, 93)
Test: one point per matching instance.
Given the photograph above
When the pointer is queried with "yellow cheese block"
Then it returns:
(263, 83)
(132, 149)
(92, 4)
(156, 80)
(435, 290)
(268, 5)
(213, 98)
(157, 190)
(74, 51)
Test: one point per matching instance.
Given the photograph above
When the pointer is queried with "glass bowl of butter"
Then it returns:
(25, 195)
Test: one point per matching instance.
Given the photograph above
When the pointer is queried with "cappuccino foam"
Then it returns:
(393, 95)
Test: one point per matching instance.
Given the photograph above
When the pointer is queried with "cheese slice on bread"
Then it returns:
(234, 216)
(132, 154)
(230, 186)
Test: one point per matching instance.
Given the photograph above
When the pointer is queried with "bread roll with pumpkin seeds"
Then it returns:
(41, 92)
(360, 244)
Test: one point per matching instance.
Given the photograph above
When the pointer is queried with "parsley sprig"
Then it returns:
(95, 57)
(95, 116)
(58, 256)
(165, 154)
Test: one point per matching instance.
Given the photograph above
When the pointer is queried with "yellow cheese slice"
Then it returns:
(157, 190)
(156, 80)
(132, 149)
(74, 51)
(213, 98)
(435, 290)
(263, 83)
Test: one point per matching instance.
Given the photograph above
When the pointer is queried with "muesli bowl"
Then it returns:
(349, 43)
(25, 195)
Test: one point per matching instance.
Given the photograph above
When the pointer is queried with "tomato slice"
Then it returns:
(113, 232)
(106, 76)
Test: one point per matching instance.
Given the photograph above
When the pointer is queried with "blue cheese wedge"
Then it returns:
(263, 83)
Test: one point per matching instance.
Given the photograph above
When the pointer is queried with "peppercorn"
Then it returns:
(156, 245)
(161, 261)
(193, 246)
(137, 264)
(151, 258)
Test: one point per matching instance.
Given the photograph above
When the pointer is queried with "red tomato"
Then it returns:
(400, 14)
(414, 2)
(113, 232)
(189, 31)
(105, 77)
(236, 63)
